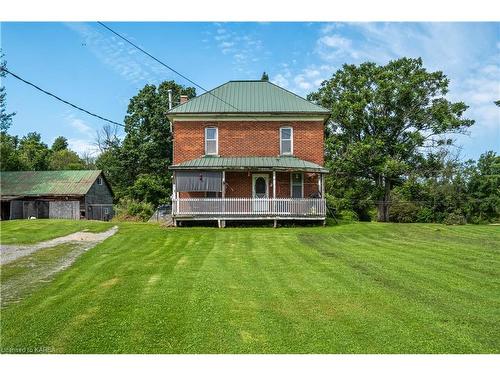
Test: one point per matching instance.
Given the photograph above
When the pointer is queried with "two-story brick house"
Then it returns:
(248, 150)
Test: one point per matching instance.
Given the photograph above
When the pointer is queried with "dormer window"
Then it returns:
(286, 141)
(211, 141)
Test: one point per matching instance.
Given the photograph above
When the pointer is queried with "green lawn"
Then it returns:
(357, 288)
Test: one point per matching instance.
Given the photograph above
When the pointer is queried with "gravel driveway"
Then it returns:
(24, 267)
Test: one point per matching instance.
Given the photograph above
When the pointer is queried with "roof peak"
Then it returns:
(247, 97)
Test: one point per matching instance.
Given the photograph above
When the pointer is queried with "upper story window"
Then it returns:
(286, 141)
(99, 180)
(211, 141)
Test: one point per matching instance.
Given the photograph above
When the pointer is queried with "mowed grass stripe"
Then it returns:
(414, 277)
(361, 288)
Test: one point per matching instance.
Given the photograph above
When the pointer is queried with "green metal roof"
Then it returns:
(33, 183)
(248, 97)
(251, 162)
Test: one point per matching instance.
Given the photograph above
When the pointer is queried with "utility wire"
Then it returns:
(60, 99)
(165, 65)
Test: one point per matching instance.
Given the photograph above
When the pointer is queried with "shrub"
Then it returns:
(455, 218)
(403, 212)
(366, 214)
(129, 209)
(425, 215)
(348, 215)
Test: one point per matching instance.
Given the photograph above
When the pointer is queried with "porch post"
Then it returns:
(274, 195)
(274, 184)
(322, 185)
(223, 184)
(176, 194)
(223, 222)
(320, 182)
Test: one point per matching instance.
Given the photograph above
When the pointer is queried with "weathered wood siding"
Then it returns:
(99, 194)
(64, 210)
(16, 210)
(99, 201)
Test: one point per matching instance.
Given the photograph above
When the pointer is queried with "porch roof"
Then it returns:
(283, 163)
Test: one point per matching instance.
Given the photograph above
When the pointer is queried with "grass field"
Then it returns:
(357, 288)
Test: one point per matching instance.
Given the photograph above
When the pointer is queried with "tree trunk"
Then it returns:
(383, 204)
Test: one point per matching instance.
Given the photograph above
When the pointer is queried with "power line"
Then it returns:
(60, 99)
(166, 66)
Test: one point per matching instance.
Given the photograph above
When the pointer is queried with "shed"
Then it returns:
(79, 194)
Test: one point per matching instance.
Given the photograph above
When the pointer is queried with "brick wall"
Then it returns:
(248, 138)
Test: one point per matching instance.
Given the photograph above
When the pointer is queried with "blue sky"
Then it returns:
(86, 64)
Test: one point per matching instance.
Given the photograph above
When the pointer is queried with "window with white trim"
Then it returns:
(297, 184)
(286, 141)
(211, 141)
(99, 180)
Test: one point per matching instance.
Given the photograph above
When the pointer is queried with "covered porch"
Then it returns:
(251, 188)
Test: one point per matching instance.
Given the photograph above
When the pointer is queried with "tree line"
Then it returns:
(388, 145)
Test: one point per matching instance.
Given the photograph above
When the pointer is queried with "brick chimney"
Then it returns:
(184, 99)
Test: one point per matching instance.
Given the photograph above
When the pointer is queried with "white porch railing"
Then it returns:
(253, 207)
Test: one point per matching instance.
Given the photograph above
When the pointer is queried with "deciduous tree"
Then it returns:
(5, 117)
(65, 160)
(146, 149)
(34, 154)
(60, 143)
(384, 118)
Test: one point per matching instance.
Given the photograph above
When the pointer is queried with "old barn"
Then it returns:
(81, 194)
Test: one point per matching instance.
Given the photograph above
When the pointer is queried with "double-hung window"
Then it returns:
(286, 141)
(211, 141)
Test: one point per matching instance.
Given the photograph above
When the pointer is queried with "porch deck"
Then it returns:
(248, 208)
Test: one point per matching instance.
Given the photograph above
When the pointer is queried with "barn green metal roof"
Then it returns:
(248, 97)
(284, 163)
(33, 183)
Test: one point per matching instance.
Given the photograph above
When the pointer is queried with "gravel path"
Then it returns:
(9, 253)
(33, 270)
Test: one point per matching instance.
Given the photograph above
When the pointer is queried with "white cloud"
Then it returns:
(226, 44)
(329, 27)
(80, 125)
(335, 41)
(479, 91)
(122, 58)
(244, 49)
(83, 139)
(467, 53)
(303, 81)
(82, 146)
(280, 80)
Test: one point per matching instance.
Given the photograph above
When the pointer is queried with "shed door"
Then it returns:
(64, 210)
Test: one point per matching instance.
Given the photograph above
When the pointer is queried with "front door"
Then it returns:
(260, 184)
